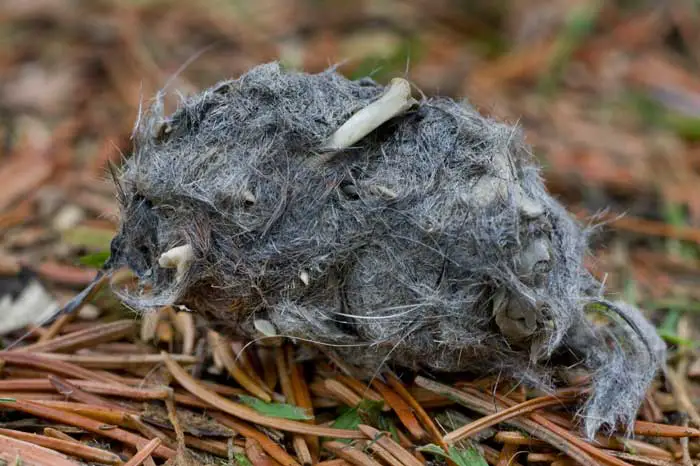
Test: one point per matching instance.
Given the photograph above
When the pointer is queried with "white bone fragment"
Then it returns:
(486, 191)
(265, 327)
(248, 196)
(304, 277)
(529, 208)
(396, 100)
(516, 318)
(178, 258)
(536, 257)
(383, 191)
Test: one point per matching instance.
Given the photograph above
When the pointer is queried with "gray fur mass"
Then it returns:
(430, 244)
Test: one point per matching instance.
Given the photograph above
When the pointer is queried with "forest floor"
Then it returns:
(608, 95)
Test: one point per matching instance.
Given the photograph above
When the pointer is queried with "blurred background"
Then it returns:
(608, 93)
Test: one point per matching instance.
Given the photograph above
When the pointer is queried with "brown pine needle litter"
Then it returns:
(113, 415)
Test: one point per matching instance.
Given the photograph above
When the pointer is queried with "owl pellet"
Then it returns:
(390, 230)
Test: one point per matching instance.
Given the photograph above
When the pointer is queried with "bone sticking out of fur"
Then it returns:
(535, 261)
(265, 327)
(515, 317)
(178, 258)
(528, 207)
(396, 100)
(248, 196)
(384, 192)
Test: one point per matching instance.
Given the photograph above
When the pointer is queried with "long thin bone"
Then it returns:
(396, 100)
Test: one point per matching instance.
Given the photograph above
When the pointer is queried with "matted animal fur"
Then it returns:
(430, 243)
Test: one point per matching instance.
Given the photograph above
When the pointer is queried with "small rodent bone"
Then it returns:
(395, 100)
(179, 258)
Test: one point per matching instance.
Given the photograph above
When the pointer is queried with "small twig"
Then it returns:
(86, 423)
(257, 455)
(12, 449)
(150, 432)
(72, 392)
(652, 429)
(308, 447)
(685, 446)
(518, 439)
(210, 446)
(33, 396)
(222, 347)
(342, 393)
(365, 391)
(379, 451)
(302, 396)
(245, 359)
(190, 401)
(543, 457)
(402, 410)
(390, 445)
(55, 433)
(52, 363)
(641, 459)
(633, 446)
(655, 414)
(350, 454)
(420, 413)
(103, 414)
(56, 327)
(267, 444)
(267, 359)
(71, 447)
(502, 416)
(100, 388)
(82, 339)
(175, 422)
(335, 462)
(647, 227)
(283, 374)
(552, 434)
(112, 362)
(144, 453)
(407, 444)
